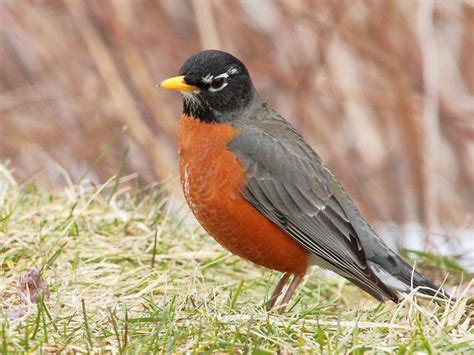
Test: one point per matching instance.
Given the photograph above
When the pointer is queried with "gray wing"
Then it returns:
(289, 185)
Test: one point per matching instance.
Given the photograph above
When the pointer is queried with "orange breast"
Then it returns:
(212, 179)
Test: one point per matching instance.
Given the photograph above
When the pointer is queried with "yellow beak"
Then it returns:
(178, 83)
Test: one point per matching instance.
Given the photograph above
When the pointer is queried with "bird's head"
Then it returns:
(215, 85)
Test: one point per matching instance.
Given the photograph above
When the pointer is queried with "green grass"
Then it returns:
(127, 275)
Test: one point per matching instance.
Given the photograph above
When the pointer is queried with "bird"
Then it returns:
(264, 194)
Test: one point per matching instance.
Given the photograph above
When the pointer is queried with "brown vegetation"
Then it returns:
(382, 89)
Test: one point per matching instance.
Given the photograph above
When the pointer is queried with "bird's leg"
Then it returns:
(289, 293)
(277, 292)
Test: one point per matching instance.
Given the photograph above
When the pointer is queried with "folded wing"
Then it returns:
(289, 185)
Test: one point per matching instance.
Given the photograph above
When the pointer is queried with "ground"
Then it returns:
(121, 273)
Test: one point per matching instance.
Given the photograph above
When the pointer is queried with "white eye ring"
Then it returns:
(218, 83)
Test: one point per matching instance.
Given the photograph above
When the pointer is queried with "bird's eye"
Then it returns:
(218, 84)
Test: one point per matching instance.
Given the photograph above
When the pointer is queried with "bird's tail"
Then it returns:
(406, 278)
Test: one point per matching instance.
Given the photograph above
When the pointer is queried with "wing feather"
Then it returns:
(288, 184)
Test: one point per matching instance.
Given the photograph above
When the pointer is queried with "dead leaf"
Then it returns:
(32, 286)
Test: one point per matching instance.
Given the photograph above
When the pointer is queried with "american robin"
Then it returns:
(263, 193)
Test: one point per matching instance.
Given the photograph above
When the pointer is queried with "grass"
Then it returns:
(127, 275)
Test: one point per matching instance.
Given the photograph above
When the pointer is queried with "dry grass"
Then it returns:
(384, 85)
(127, 275)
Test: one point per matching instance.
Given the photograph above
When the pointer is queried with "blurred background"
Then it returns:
(383, 90)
